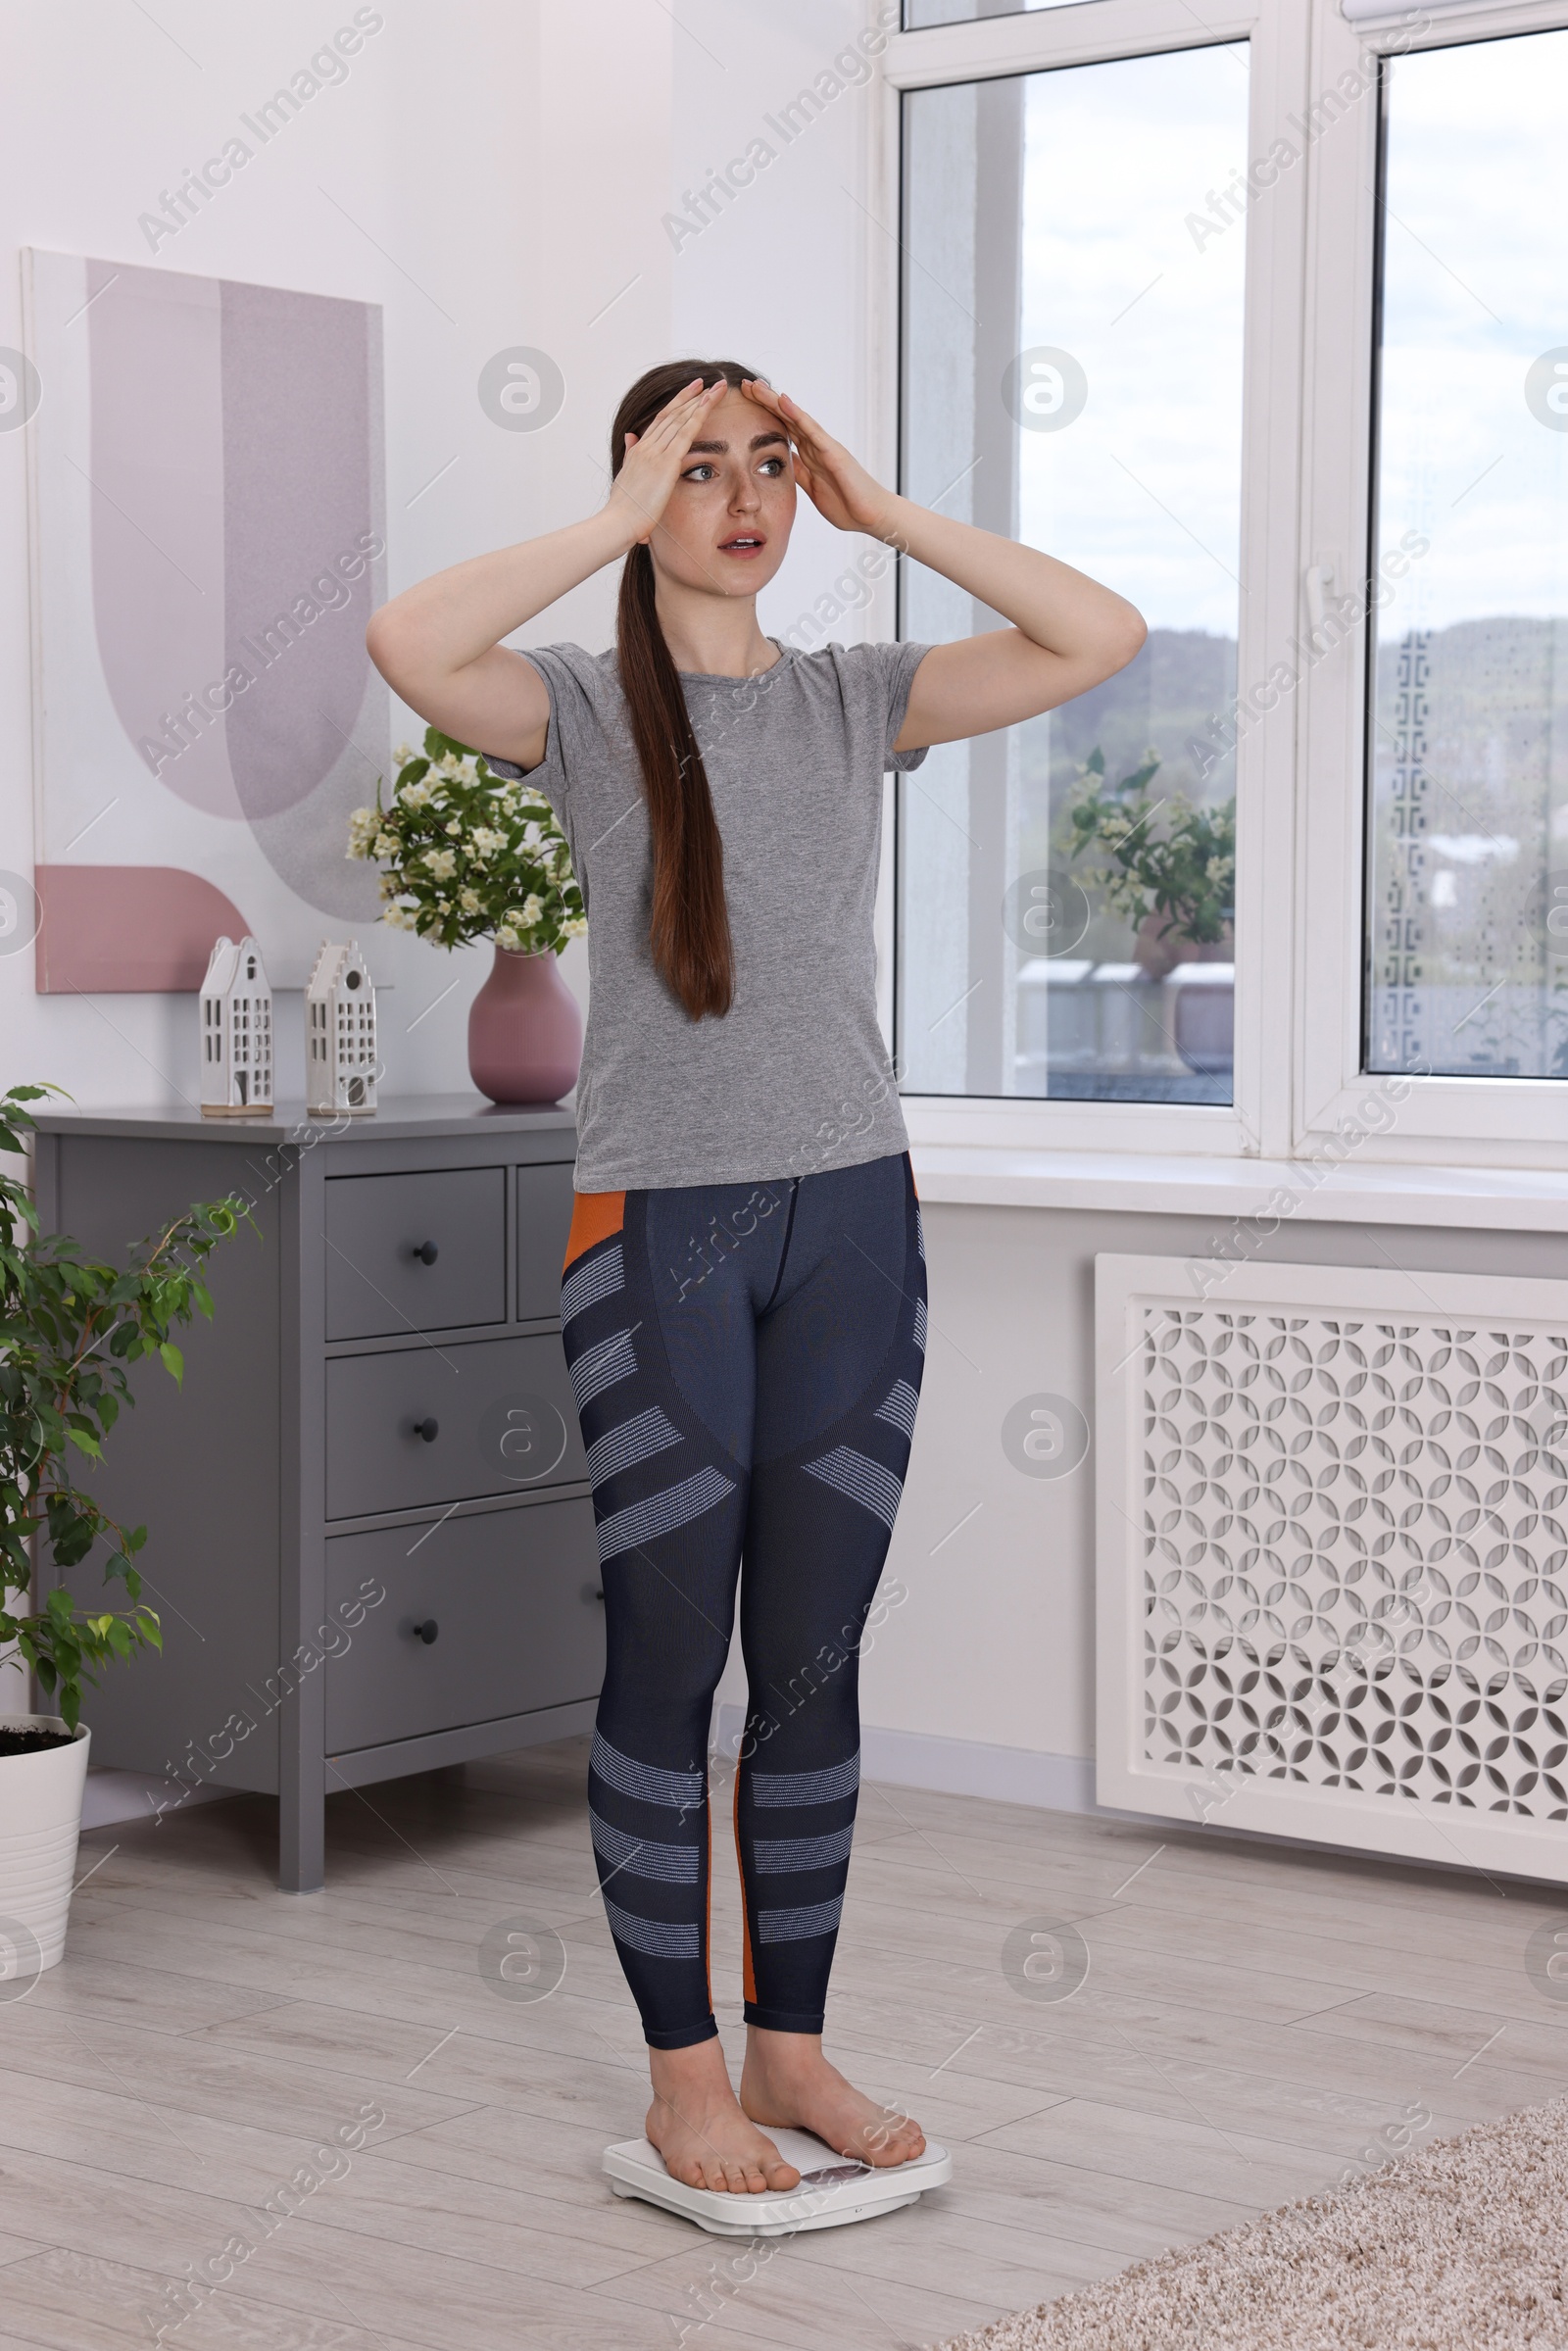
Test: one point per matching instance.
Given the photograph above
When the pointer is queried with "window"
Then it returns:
(1072, 373)
(1256, 313)
(1467, 854)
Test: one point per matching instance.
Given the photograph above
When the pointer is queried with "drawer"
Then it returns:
(448, 1423)
(415, 1253)
(545, 1199)
(512, 1596)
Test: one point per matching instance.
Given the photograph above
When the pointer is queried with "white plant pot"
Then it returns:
(40, 1821)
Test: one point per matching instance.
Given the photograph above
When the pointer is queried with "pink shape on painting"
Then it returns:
(128, 930)
(156, 473)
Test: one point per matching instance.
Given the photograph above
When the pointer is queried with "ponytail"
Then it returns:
(689, 927)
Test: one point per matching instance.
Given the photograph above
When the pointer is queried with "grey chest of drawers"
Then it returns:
(369, 1525)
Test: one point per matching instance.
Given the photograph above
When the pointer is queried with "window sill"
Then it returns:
(1489, 1198)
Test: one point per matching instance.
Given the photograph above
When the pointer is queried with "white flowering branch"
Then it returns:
(464, 855)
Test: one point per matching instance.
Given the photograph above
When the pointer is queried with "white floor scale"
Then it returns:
(832, 2191)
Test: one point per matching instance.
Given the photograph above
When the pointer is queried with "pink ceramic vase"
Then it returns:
(524, 1031)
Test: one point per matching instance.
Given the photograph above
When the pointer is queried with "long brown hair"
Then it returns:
(689, 929)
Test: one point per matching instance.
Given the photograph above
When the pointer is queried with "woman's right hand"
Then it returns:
(438, 645)
(651, 465)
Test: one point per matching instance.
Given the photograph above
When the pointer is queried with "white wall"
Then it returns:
(492, 173)
(510, 164)
(459, 178)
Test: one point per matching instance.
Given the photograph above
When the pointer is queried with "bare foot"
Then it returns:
(697, 2125)
(788, 2083)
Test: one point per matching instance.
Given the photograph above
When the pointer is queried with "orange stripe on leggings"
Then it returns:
(595, 1215)
(748, 1978)
(707, 1909)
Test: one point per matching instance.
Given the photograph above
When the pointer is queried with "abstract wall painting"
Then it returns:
(208, 541)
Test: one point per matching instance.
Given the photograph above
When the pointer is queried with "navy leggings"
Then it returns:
(747, 1362)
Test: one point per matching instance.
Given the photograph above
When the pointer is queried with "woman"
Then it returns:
(743, 1302)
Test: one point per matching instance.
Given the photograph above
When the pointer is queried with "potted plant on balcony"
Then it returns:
(1174, 881)
(70, 1329)
(466, 855)
(1178, 876)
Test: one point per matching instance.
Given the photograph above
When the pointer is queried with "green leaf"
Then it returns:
(174, 1361)
(1135, 783)
(438, 745)
(70, 1326)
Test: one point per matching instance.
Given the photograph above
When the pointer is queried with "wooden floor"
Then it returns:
(1254, 2022)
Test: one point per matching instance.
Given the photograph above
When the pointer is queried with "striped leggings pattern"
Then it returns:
(747, 1365)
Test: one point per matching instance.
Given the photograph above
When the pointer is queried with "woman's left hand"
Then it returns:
(837, 484)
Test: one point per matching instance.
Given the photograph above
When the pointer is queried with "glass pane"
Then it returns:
(1072, 376)
(920, 13)
(1467, 913)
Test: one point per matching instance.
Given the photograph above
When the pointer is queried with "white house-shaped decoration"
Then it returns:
(236, 1022)
(340, 1032)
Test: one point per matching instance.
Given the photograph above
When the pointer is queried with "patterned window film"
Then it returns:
(1467, 850)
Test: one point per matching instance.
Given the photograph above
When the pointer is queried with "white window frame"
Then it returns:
(1308, 365)
(1488, 1121)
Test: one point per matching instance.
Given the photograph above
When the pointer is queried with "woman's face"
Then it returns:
(728, 520)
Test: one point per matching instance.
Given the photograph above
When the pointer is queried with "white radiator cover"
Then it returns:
(1332, 1547)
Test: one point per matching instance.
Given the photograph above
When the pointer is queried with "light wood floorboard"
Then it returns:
(1255, 2021)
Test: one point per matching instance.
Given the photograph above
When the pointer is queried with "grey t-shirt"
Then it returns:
(795, 1077)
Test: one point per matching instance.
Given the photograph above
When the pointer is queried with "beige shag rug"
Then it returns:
(1460, 2247)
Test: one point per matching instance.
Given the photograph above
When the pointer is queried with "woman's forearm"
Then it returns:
(1063, 610)
(450, 619)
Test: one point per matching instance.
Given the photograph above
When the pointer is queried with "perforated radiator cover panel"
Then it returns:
(1333, 1555)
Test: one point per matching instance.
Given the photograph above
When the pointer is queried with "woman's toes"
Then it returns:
(895, 2138)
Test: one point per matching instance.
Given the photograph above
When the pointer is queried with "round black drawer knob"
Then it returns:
(425, 1632)
(592, 1593)
(429, 1429)
(426, 1253)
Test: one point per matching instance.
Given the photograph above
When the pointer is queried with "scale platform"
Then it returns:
(832, 2192)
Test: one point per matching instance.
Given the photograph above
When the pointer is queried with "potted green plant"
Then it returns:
(466, 855)
(1174, 880)
(1180, 872)
(70, 1329)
